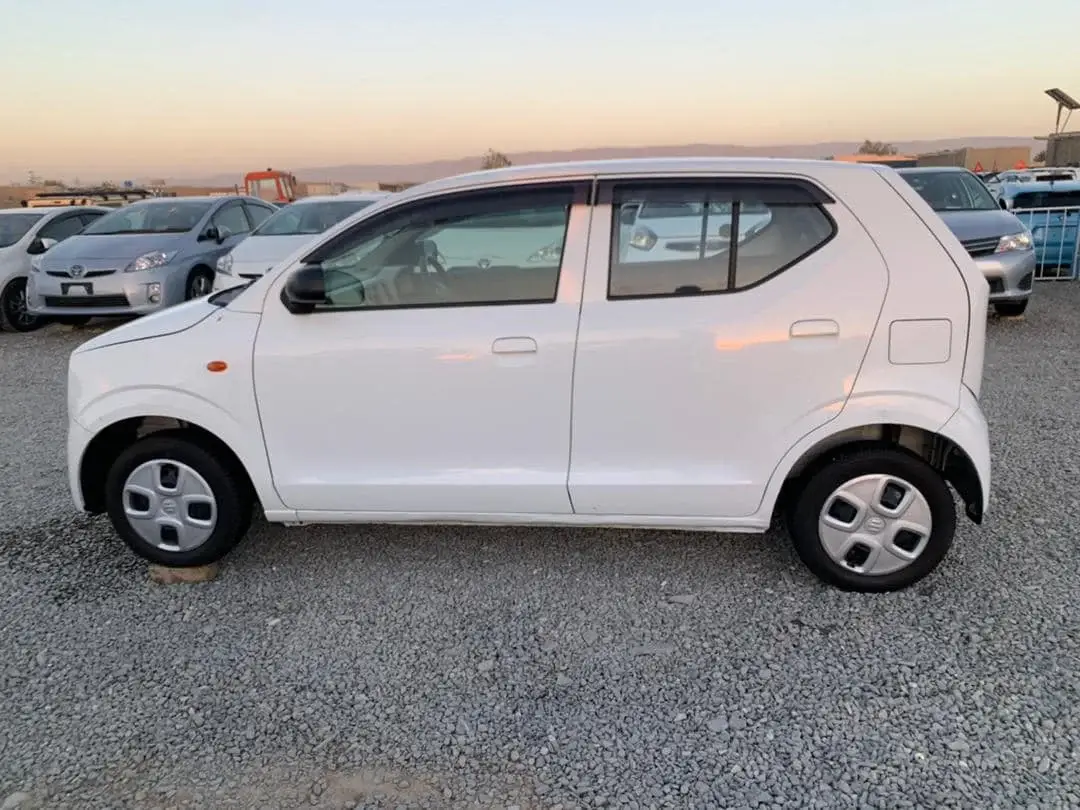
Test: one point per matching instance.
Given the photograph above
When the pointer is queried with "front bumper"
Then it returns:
(78, 439)
(1010, 275)
(115, 294)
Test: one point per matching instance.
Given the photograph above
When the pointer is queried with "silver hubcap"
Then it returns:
(875, 524)
(170, 505)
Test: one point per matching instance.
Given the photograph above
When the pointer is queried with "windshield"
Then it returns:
(151, 217)
(13, 227)
(952, 191)
(309, 217)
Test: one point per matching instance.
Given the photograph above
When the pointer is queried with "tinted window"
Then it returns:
(13, 227)
(61, 228)
(232, 218)
(497, 249)
(258, 213)
(1047, 199)
(692, 252)
(90, 216)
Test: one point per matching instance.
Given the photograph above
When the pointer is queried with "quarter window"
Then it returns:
(697, 239)
(503, 248)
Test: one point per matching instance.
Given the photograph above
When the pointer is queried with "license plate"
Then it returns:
(77, 289)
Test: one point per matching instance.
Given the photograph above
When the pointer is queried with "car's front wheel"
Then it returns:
(175, 503)
(13, 312)
(1011, 308)
(873, 520)
(200, 282)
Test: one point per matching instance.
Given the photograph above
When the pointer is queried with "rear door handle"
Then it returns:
(819, 328)
(514, 345)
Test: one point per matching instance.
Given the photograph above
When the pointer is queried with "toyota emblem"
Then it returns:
(77, 270)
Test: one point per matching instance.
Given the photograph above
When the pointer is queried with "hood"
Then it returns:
(119, 247)
(269, 250)
(158, 324)
(981, 224)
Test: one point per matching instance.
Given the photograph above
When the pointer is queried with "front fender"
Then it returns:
(240, 431)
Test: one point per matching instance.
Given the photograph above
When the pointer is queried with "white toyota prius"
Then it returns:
(431, 359)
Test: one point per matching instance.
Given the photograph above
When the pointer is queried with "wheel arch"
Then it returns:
(108, 443)
(938, 450)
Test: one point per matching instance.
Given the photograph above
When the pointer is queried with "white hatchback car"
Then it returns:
(828, 369)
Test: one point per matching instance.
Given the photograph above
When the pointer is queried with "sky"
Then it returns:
(172, 88)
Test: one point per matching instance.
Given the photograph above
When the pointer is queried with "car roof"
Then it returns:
(345, 195)
(621, 167)
(54, 209)
(934, 170)
(1043, 185)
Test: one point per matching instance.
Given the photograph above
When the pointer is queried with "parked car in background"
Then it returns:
(1052, 212)
(1000, 244)
(141, 258)
(832, 372)
(660, 229)
(287, 230)
(24, 234)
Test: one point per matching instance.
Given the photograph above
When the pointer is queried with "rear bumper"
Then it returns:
(967, 428)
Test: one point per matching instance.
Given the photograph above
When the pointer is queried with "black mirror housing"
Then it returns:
(210, 233)
(304, 289)
(36, 248)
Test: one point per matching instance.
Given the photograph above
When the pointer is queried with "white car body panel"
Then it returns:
(676, 412)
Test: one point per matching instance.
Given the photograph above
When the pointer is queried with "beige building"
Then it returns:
(985, 159)
(1063, 149)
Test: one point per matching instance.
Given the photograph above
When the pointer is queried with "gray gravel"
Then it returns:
(428, 667)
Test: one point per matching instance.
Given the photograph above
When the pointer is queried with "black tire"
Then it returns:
(234, 500)
(821, 483)
(1011, 309)
(13, 314)
(200, 282)
(72, 320)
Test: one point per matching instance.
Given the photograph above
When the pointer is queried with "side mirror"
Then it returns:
(304, 289)
(223, 234)
(39, 246)
(210, 233)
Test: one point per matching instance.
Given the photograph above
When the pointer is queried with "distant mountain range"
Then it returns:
(419, 172)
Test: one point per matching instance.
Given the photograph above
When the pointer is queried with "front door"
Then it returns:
(700, 364)
(436, 379)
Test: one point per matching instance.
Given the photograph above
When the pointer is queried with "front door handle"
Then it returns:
(514, 345)
(817, 328)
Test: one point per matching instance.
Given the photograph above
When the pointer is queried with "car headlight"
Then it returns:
(642, 238)
(148, 261)
(547, 254)
(1015, 241)
(224, 264)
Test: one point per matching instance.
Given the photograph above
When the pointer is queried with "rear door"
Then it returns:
(695, 373)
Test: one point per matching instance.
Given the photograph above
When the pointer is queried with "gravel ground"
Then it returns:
(429, 667)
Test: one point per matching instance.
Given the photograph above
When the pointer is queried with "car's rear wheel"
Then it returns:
(200, 282)
(873, 520)
(1011, 308)
(14, 316)
(175, 503)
